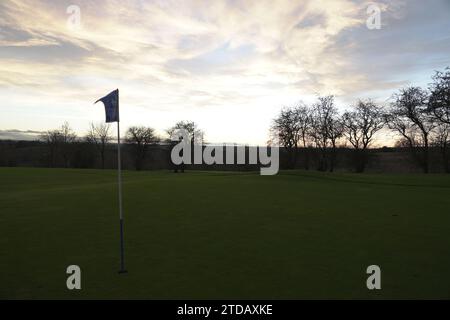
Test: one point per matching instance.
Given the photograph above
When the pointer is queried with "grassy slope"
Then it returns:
(222, 235)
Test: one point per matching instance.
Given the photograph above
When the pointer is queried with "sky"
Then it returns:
(228, 65)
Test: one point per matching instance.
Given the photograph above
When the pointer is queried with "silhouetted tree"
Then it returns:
(286, 131)
(68, 137)
(99, 135)
(410, 116)
(304, 122)
(441, 139)
(440, 95)
(360, 126)
(335, 132)
(140, 138)
(326, 129)
(52, 138)
(59, 141)
(196, 135)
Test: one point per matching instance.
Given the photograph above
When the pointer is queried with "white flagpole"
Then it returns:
(119, 175)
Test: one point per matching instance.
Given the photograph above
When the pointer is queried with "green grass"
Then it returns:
(224, 235)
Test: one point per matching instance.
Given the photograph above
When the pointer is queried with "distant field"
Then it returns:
(224, 235)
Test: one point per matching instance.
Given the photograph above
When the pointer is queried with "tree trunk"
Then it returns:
(333, 157)
(361, 160)
(445, 159)
(425, 155)
(102, 154)
(306, 152)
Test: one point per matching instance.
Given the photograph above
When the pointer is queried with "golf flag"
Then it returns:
(111, 102)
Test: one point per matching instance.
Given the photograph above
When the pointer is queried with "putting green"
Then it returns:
(224, 235)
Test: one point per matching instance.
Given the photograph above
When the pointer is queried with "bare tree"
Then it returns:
(140, 138)
(439, 103)
(68, 137)
(59, 141)
(286, 131)
(440, 95)
(290, 129)
(335, 132)
(403, 127)
(410, 116)
(335, 129)
(304, 121)
(99, 135)
(326, 129)
(52, 138)
(319, 128)
(360, 126)
(196, 135)
(441, 139)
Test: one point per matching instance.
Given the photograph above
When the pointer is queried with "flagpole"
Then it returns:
(119, 176)
(111, 103)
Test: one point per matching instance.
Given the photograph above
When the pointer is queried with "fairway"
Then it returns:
(208, 235)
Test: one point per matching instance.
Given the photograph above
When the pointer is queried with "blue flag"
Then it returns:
(111, 102)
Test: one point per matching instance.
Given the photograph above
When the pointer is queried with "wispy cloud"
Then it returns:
(215, 62)
(15, 134)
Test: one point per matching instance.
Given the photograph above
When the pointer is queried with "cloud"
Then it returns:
(192, 58)
(28, 135)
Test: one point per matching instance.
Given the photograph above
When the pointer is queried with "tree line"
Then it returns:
(60, 141)
(419, 117)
